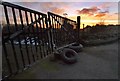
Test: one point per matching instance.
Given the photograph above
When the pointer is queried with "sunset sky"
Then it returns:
(91, 12)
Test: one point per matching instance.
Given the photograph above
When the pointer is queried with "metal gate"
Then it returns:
(64, 30)
(25, 40)
(28, 36)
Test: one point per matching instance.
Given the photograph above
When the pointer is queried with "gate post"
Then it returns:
(78, 29)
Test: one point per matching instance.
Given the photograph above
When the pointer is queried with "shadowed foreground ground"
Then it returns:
(98, 62)
(0, 62)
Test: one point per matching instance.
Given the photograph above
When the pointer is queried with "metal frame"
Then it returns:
(58, 28)
(34, 29)
(44, 31)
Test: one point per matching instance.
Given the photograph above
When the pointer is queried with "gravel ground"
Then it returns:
(98, 62)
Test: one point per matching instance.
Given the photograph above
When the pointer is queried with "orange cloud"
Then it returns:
(53, 7)
(102, 14)
(88, 11)
(58, 10)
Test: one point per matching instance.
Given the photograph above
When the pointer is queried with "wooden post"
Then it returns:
(78, 28)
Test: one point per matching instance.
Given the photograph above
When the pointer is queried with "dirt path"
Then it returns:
(100, 62)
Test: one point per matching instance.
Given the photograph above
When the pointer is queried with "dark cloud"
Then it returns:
(116, 13)
(101, 14)
(88, 11)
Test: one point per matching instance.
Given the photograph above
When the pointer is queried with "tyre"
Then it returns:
(76, 47)
(69, 56)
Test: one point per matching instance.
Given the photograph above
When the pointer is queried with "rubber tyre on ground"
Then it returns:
(76, 47)
(69, 56)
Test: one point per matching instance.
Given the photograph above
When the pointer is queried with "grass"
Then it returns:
(49, 66)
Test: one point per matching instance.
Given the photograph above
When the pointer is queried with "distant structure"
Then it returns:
(83, 26)
(102, 22)
(65, 15)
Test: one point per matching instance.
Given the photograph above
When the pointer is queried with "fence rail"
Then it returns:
(32, 37)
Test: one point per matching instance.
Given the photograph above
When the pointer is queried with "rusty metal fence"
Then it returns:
(24, 43)
(64, 30)
(31, 36)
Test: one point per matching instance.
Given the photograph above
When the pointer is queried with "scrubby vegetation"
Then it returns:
(100, 32)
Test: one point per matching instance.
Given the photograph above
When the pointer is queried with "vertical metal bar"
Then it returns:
(15, 55)
(21, 20)
(7, 20)
(33, 32)
(47, 36)
(53, 28)
(29, 36)
(59, 37)
(62, 37)
(58, 30)
(37, 32)
(69, 40)
(66, 33)
(41, 36)
(51, 35)
(55, 18)
(20, 46)
(63, 32)
(83, 30)
(8, 23)
(6, 56)
(78, 28)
